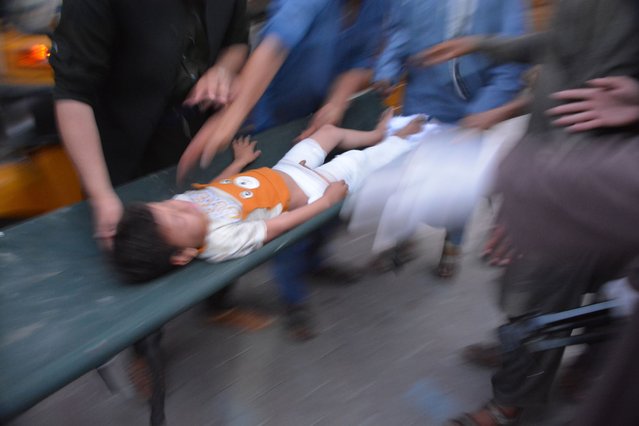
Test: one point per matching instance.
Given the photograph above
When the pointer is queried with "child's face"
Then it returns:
(181, 223)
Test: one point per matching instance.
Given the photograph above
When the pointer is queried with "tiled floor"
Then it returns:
(387, 354)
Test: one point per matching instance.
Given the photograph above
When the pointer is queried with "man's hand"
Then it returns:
(214, 89)
(244, 150)
(330, 113)
(446, 51)
(213, 137)
(608, 102)
(335, 192)
(107, 211)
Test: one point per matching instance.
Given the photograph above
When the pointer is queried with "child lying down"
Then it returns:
(237, 212)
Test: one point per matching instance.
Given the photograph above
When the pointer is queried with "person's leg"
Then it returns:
(613, 399)
(539, 285)
(355, 166)
(289, 268)
(449, 259)
(289, 265)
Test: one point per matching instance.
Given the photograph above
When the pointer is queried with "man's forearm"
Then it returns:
(255, 77)
(80, 136)
(233, 58)
(525, 49)
(346, 85)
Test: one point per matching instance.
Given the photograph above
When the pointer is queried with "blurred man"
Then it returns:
(468, 91)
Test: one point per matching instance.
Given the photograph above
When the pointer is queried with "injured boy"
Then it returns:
(238, 212)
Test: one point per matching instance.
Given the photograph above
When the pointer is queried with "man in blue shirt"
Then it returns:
(327, 45)
(313, 56)
(462, 91)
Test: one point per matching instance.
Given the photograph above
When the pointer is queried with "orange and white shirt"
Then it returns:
(238, 207)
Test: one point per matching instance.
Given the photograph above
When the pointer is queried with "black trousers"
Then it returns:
(539, 284)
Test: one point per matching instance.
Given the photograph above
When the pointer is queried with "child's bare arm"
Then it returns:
(244, 153)
(330, 137)
(335, 192)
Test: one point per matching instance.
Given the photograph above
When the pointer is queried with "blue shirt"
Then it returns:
(420, 24)
(320, 49)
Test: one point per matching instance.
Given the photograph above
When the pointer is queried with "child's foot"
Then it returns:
(384, 119)
(413, 127)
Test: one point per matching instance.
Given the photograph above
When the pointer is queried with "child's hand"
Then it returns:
(244, 150)
(335, 192)
(384, 119)
(413, 127)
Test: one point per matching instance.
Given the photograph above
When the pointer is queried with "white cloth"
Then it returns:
(438, 183)
(352, 166)
(309, 151)
(229, 236)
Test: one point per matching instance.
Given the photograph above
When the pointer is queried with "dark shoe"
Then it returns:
(395, 258)
(486, 355)
(243, 319)
(337, 274)
(298, 323)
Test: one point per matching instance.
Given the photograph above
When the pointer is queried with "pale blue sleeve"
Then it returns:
(290, 20)
(505, 82)
(390, 62)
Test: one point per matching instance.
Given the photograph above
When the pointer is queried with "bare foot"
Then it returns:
(414, 126)
(384, 119)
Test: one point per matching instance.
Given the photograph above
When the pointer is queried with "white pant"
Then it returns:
(352, 166)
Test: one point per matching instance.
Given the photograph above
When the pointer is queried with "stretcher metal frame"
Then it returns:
(64, 313)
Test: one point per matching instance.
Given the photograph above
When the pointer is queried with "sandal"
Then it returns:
(494, 412)
(448, 263)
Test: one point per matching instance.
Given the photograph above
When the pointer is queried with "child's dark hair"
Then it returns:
(140, 253)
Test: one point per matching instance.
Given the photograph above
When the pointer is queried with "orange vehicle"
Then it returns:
(36, 176)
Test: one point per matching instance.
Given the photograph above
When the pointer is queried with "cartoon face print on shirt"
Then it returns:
(245, 182)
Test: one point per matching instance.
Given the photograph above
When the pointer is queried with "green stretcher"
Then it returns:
(64, 313)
